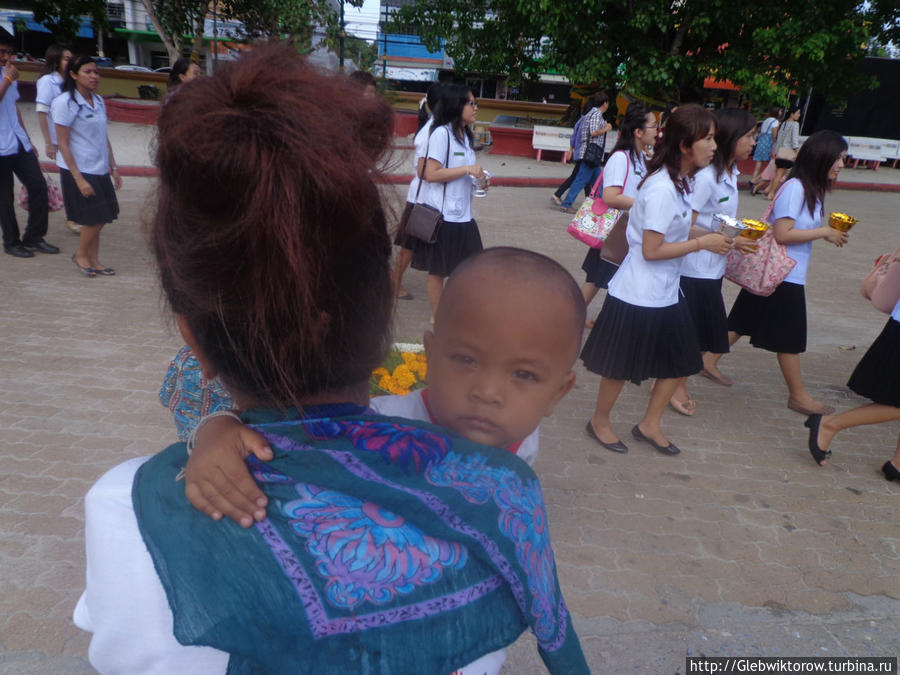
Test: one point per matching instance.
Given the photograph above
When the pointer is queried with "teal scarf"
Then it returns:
(390, 546)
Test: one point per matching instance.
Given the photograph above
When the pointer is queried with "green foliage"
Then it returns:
(662, 48)
(63, 17)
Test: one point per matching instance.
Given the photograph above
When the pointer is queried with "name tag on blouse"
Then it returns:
(459, 154)
(724, 199)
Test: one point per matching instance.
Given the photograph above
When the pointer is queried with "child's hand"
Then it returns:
(217, 481)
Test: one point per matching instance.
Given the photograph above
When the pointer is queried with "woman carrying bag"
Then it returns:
(623, 172)
(777, 322)
(643, 330)
(786, 145)
(450, 170)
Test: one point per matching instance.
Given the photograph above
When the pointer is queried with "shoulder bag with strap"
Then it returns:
(424, 220)
(595, 218)
(763, 270)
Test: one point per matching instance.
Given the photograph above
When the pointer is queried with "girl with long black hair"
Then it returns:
(450, 168)
(643, 330)
(777, 323)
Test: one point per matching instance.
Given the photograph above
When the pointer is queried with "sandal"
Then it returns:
(106, 271)
(556, 199)
(404, 295)
(89, 272)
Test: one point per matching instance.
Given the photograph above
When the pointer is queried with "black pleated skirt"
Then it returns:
(635, 343)
(598, 270)
(100, 209)
(877, 375)
(455, 242)
(707, 310)
(776, 323)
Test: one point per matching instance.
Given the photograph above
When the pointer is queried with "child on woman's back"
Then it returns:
(500, 357)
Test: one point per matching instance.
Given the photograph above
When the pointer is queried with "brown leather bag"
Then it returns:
(615, 248)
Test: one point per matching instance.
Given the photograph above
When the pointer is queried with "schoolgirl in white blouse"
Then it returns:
(49, 86)
(777, 323)
(624, 170)
(643, 331)
(715, 190)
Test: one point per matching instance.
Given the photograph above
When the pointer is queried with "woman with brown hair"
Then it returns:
(644, 331)
(381, 549)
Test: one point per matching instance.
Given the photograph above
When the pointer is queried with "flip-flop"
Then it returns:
(89, 272)
(106, 271)
(404, 295)
(686, 408)
(724, 381)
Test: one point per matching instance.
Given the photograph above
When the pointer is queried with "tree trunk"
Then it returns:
(172, 43)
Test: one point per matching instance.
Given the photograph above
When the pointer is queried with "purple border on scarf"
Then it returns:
(322, 626)
(353, 464)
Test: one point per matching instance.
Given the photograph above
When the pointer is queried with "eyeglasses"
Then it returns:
(652, 126)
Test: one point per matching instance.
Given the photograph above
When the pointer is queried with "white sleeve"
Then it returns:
(789, 203)
(530, 447)
(61, 112)
(438, 145)
(702, 191)
(661, 203)
(615, 169)
(44, 96)
(124, 604)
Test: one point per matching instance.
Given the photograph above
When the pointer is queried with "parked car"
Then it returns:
(164, 69)
(103, 61)
(139, 69)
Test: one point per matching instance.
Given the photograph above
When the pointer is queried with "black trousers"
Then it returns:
(562, 189)
(24, 164)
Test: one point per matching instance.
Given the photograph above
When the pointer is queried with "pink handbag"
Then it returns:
(763, 270)
(595, 218)
(54, 195)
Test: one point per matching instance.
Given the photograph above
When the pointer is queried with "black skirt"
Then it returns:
(877, 375)
(598, 270)
(100, 209)
(707, 310)
(776, 323)
(455, 242)
(402, 239)
(635, 343)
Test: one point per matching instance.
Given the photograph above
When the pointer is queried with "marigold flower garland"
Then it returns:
(403, 371)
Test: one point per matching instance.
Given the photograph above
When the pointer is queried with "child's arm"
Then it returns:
(217, 480)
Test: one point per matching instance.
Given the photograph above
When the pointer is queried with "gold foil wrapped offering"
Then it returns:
(841, 221)
(730, 227)
(754, 229)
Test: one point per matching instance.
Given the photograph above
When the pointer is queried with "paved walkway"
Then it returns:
(741, 545)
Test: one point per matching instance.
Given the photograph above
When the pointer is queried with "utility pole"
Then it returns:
(341, 55)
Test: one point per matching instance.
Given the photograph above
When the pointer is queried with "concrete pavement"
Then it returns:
(741, 545)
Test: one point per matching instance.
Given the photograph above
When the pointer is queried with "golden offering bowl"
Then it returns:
(754, 228)
(841, 221)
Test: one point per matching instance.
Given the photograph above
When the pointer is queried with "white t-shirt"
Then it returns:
(789, 204)
(456, 204)
(708, 196)
(658, 207)
(617, 166)
(49, 86)
(11, 132)
(768, 125)
(413, 407)
(421, 143)
(87, 132)
(895, 314)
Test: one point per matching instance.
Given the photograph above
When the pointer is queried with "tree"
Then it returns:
(63, 17)
(175, 19)
(661, 48)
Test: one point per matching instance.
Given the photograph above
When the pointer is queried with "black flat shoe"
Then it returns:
(618, 446)
(670, 449)
(18, 251)
(41, 247)
(812, 423)
(890, 472)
